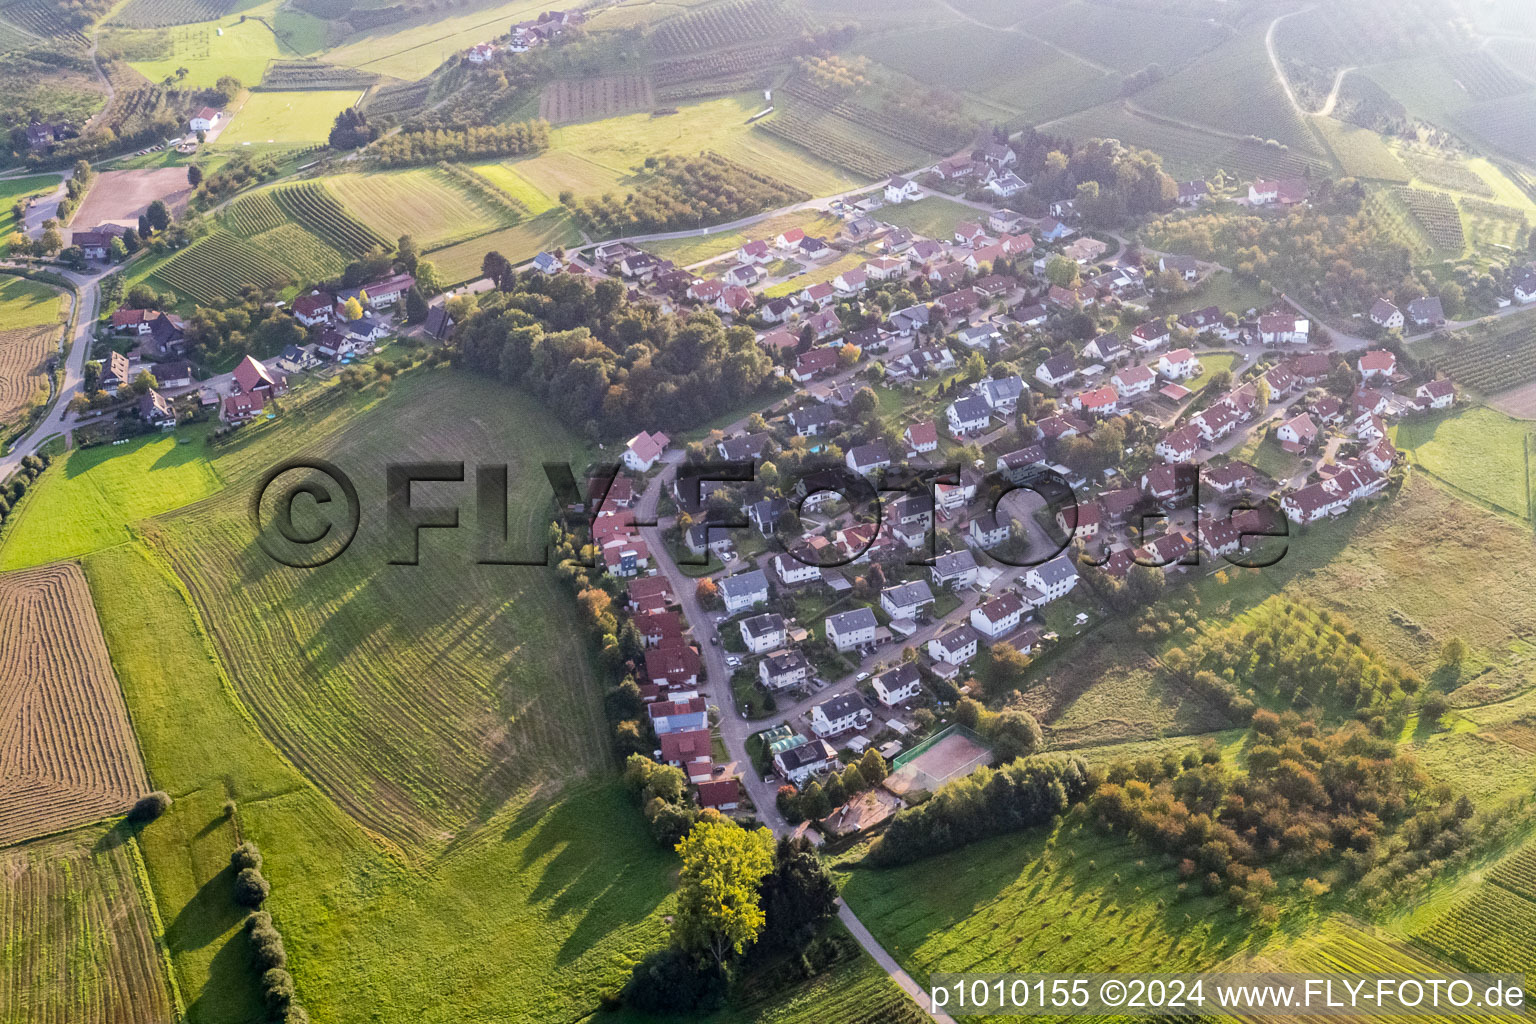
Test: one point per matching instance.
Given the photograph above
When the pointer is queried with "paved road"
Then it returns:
(734, 730)
(57, 420)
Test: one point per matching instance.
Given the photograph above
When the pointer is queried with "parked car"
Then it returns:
(861, 676)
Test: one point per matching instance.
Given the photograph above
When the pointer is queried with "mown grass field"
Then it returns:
(1474, 449)
(243, 50)
(423, 700)
(77, 933)
(1360, 152)
(506, 177)
(425, 203)
(619, 145)
(412, 47)
(87, 499)
(538, 915)
(934, 217)
(287, 117)
(25, 303)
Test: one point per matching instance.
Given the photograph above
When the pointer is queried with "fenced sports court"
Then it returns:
(947, 755)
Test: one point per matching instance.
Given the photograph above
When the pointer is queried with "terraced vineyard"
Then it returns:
(1492, 364)
(840, 141)
(298, 75)
(1438, 215)
(1444, 172)
(252, 215)
(397, 98)
(725, 25)
(313, 205)
(67, 753)
(219, 266)
(590, 98)
(927, 134)
(79, 940)
(720, 71)
(1492, 930)
(41, 18)
(159, 13)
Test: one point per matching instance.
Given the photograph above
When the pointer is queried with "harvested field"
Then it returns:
(79, 940)
(118, 197)
(24, 354)
(426, 203)
(591, 98)
(67, 752)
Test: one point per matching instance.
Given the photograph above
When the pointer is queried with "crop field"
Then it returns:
(25, 303)
(68, 755)
(1438, 215)
(536, 917)
(1360, 152)
(934, 135)
(459, 263)
(735, 21)
(1491, 364)
(305, 255)
(24, 353)
(1015, 903)
(856, 992)
(426, 203)
(1474, 449)
(506, 177)
(1186, 150)
(156, 13)
(218, 266)
(408, 694)
(86, 502)
(718, 71)
(78, 937)
(303, 116)
(1232, 88)
(606, 155)
(1344, 946)
(1445, 172)
(42, 20)
(1504, 124)
(315, 207)
(586, 99)
(398, 98)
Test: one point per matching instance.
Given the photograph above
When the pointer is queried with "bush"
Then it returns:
(673, 981)
(250, 888)
(267, 950)
(277, 991)
(246, 855)
(150, 807)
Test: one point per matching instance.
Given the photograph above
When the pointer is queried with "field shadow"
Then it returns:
(231, 992)
(207, 915)
(115, 836)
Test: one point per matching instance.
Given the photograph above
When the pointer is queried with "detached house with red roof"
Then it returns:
(1377, 364)
(642, 451)
(921, 438)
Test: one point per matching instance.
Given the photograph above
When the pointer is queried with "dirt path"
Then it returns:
(1333, 94)
(1014, 29)
(1274, 58)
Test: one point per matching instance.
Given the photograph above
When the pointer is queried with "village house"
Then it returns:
(795, 571)
(988, 530)
(744, 591)
(968, 415)
(1006, 185)
(1170, 485)
(1333, 496)
(1426, 311)
(851, 629)
(1055, 579)
(901, 190)
(957, 645)
(955, 569)
(998, 616)
(921, 438)
(1180, 364)
(238, 409)
(1151, 335)
(1193, 193)
(796, 764)
(813, 363)
(1085, 250)
(1286, 192)
(1106, 348)
(868, 458)
(896, 685)
(155, 410)
(762, 633)
(1016, 466)
(783, 669)
(1133, 381)
(1386, 315)
(1187, 267)
(1284, 329)
(1377, 364)
(1437, 394)
(906, 600)
(1057, 370)
(683, 748)
(642, 450)
(1001, 394)
(1099, 401)
(812, 420)
(1080, 521)
(1297, 434)
(1179, 445)
(953, 497)
(678, 715)
(204, 119)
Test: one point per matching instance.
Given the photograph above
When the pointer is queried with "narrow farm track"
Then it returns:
(1333, 94)
(1274, 58)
